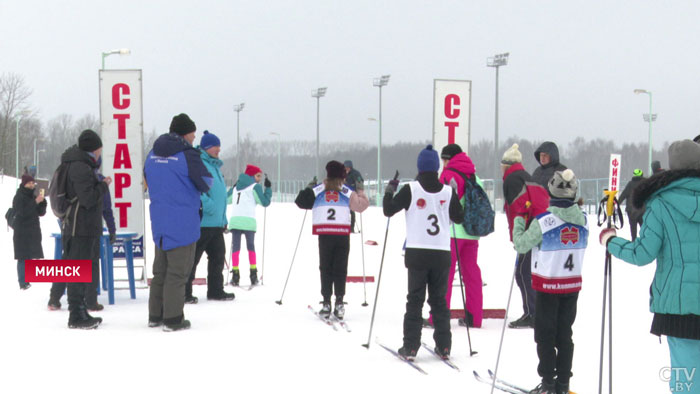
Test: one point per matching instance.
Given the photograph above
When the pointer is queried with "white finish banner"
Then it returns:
(451, 113)
(121, 114)
(614, 178)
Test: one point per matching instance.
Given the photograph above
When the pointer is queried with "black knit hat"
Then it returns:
(89, 141)
(335, 169)
(182, 125)
(450, 151)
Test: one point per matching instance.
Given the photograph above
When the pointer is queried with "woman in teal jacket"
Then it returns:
(671, 235)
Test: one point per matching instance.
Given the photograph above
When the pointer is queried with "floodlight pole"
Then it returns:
(380, 82)
(317, 94)
(651, 120)
(238, 108)
(496, 62)
(123, 51)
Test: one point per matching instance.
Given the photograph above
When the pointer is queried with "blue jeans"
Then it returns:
(685, 365)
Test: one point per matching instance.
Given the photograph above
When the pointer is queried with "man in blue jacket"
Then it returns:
(213, 224)
(176, 177)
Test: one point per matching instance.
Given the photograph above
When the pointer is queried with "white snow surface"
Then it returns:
(253, 344)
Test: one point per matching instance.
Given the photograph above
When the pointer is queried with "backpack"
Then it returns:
(60, 203)
(11, 216)
(478, 212)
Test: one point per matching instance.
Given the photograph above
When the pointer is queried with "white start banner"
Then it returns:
(451, 113)
(121, 114)
(614, 178)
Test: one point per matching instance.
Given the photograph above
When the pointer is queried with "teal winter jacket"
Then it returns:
(214, 201)
(671, 235)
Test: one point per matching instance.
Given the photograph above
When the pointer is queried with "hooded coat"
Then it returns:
(544, 173)
(671, 236)
(82, 181)
(27, 230)
(175, 176)
(214, 200)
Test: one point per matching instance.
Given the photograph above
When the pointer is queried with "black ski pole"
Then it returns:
(607, 287)
(464, 298)
(294, 255)
(379, 278)
(364, 277)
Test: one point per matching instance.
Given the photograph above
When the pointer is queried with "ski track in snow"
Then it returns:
(253, 344)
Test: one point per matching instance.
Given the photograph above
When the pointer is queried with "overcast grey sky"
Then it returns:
(572, 71)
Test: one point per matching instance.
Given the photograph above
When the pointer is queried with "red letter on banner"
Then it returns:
(122, 206)
(121, 181)
(450, 100)
(117, 91)
(451, 131)
(121, 125)
(122, 158)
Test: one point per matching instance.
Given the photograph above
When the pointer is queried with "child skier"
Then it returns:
(429, 205)
(331, 203)
(558, 240)
(243, 197)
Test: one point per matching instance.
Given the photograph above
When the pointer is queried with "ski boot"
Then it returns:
(443, 353)
(183, 325)
(544, 388)
(407, 354)
(253, 276)
(525, 321)
(190, 299)
(54, 305)
(562, 388)
(339, 311)
(235, 278)
(325, 311)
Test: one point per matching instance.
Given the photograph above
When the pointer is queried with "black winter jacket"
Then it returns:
(86, 220)
(627, 193)
(27, 230)
(544, 173)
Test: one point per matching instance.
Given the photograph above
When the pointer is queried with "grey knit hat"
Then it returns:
(684, 154)
(563, 185)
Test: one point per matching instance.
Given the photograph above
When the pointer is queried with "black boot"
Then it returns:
(80, 318)
(253, 276)
(235, 277)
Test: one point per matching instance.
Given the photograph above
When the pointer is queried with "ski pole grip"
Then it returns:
(610, 206)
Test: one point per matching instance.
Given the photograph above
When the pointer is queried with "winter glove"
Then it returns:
(606, 235)
(112, 238)
(313, 183)
(268, 184)
(392, 186)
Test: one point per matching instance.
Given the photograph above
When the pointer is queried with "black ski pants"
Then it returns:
(79, 248)
(523, 277)
(431, 273)
(211, 240)
(555, 348)
(333, 253)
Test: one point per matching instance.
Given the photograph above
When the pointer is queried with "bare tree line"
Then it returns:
(588, 158)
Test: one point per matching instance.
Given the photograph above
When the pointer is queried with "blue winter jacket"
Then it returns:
(175, 176)
(214, 201)
(671, 235)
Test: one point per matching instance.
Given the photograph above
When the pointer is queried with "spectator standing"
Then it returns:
(176, 177)
(547, 155)
(82, 228)
(669, 236)
(211, 239)
(27, 229)
(634, 214)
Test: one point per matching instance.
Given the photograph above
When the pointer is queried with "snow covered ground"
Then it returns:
(254, 345)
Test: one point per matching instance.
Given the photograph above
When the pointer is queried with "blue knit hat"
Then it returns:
(209, 140)
(428, 160)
